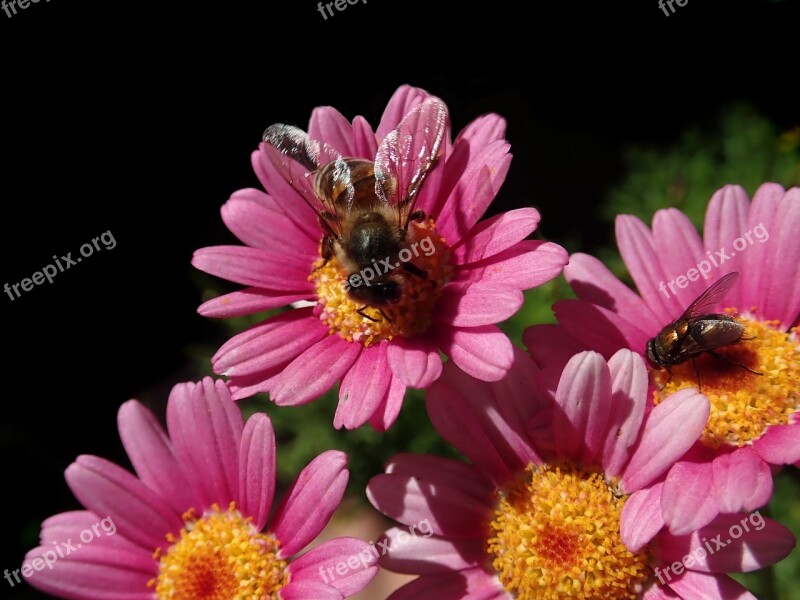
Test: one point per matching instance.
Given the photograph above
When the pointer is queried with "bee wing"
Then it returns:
(712, 296)
(406, 155)
(298, 159)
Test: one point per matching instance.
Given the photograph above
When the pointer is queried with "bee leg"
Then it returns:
(414, 270)
(722, 357)
(385, 316)
(365, 315)
(696, 374)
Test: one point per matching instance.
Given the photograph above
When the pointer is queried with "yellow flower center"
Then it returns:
(220, 556)
(743, 404)
(556, 535)
(371, 322)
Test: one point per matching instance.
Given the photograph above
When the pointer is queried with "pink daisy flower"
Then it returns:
(754, 417)
(191, 526)
(562, 498)
(458, 279)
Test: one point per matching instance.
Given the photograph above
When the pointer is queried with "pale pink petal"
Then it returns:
(494, 235)
(271, 343)
(402, 102)
(312, 373)
(138, 513)
(755, 280)
(414, 553)
(306, 589)
(742, 480)
(679, 245)
(689, 497)
(473, 304)
(670, 430)
(654, 591)
(474, 191)
(414, 361)
(152, 456)
(629, 383)
(484, 352)
(252, 266)
(636, 245)
(583, 400)
(323, 565)
(386, 413)
(364, 143)
(65, 528)
(601, 329)
(205, 427)
(780, 444)
(310, 502)
(257, 469)
(732, 543)
(693, 585)
(726, 220)
(550, 344)
(525, 265)
(248, 301)
(471, 584)
(641, 517)
(782, 293)
(363, 388)
(448, 472)
(329, 125)
(249, 385)
(593, 282)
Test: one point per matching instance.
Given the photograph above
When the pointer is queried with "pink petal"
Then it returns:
(742, 480)
(679, 245)
(593, 282)
(641, 517)
(307, 589)
(526, 265)
(269, 344)
(312, 373)
(709, 587)
(152, 456)
(601, 329)
(483, 352)
(763, 211)
(473, 305)
(732, 543)
(550, 345)
(257, 469)
(364, 143)
(689, 498)
(139, 513)
(653, 591)
(494, 235)
(402, 102)
(328, 125)
(472, 584)
(414, 361)
(205, 427)
(670, 430)
(386, 413)
(448, 472)
(782, 293)
(320, 564)
(410, 552)
(247, 302)
(251, 266)
(583, 401)
(726, 219)
(636, 245)
(780, 444)
(629, 383)
(363, 388)
(310, 502)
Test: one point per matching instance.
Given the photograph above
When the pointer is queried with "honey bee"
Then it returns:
(698, 331)
(365, 207)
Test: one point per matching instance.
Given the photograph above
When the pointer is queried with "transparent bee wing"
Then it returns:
(706, 301)
(406, 155)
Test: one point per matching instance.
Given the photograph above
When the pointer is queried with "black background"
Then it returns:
(139, 118)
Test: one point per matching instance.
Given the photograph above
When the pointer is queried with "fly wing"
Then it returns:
(407, 154)
(706, 301)
(710, 334)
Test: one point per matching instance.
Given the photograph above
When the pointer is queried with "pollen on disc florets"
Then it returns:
(556, 535)
(743, 404)
(220, 556)
(408, 317)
